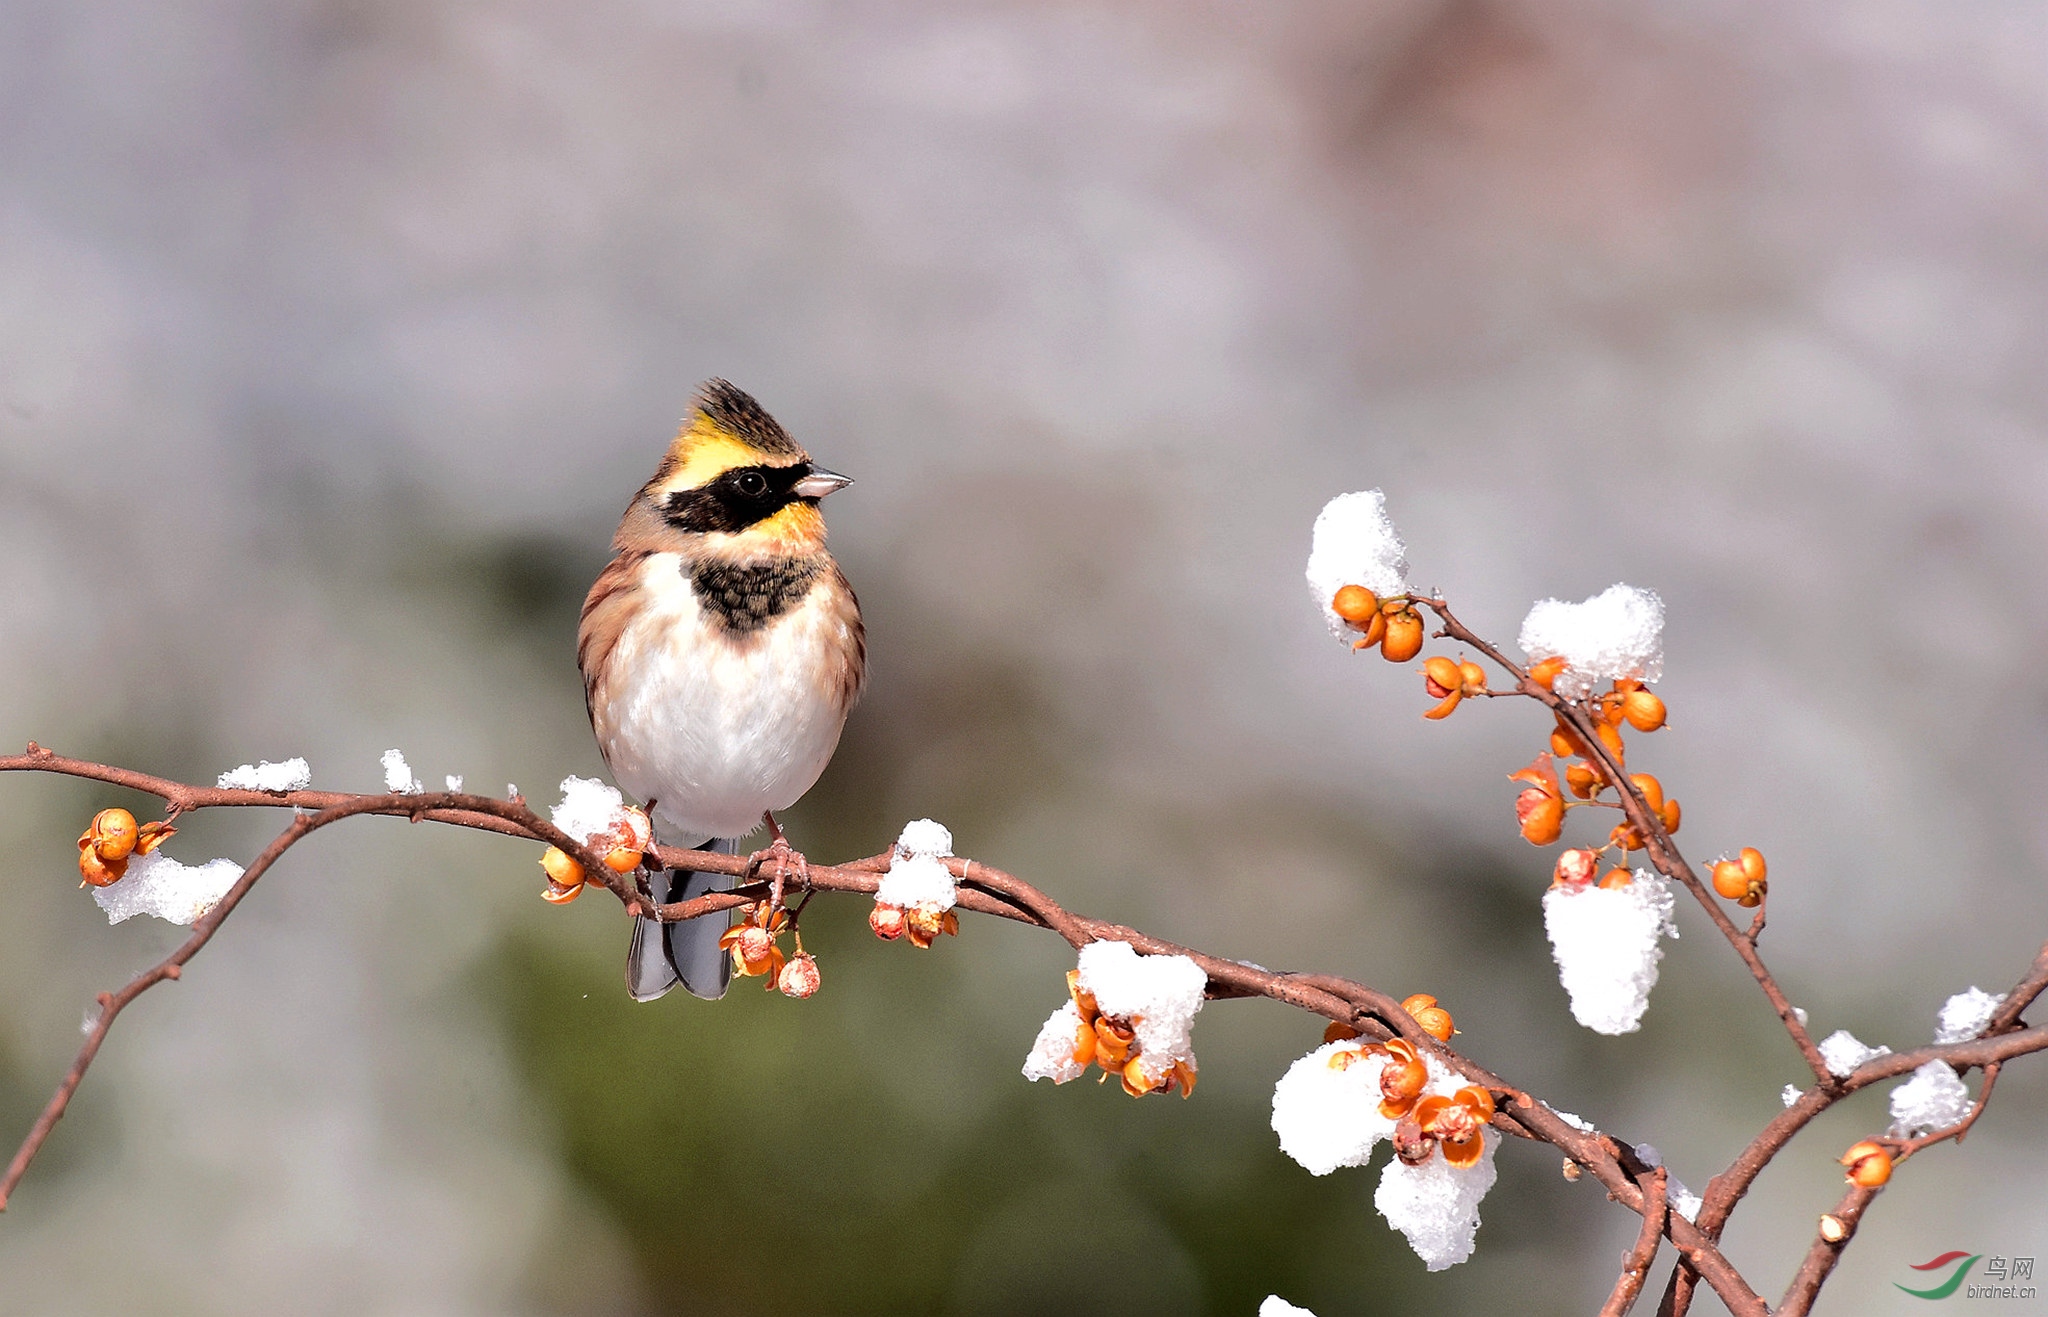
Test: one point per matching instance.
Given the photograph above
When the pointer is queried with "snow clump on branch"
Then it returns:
(1132, 1014)
(917, 871)
(1354, 543)
(1275, 1306)
(156, 884)
(1436, 1204)
(1964, 1015)
(915, 897)
(590, 811)
(1607, 944)
(1618, 633)
(291, 775)
(1842, 1052)
(1933, 1099)
(398, 775)
(1328, 1112)
(1326, 1107)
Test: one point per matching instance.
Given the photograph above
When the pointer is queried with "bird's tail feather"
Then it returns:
(659, 957)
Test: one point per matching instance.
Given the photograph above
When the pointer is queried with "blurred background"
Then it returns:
(335, 334)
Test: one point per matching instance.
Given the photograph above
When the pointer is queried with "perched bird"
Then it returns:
(721, 651)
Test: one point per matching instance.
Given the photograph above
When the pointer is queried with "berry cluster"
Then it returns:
(1111, 1042)
(110, 841)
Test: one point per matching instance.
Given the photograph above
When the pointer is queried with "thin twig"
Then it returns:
(1635, 1264)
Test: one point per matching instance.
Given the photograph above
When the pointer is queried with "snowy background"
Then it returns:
(334, 336)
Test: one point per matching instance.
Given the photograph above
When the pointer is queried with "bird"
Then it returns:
(721, 651)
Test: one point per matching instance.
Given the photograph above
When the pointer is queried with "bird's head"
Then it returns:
(733, 481)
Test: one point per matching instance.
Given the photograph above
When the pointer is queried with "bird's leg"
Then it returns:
(787, 860)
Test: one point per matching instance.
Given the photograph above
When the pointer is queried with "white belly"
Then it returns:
(712, 730)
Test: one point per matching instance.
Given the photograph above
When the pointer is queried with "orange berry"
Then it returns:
(1084, 1044)
(1402, 1080)
(886, 921)
(799, 977)
(1477, 1100)
(1733, 880)
(1870, 1165)
(1582, 780)
(1611, 738)
(1375, 632)
(1625, 836)
(1672, 815)
(1652, 790)
(561, 867)
(1575, 868)
(1404, 636)
(1644, 711)
(924, 923)
(96, 872)
(622, 859)
(1339, 1032)
(1355, 604)
(1474, 676)
(1137, 1082)
(113, 834)
(1546, 672)
(1541, 816)
(1442, 676)
(1435, 1021)
(1752, 861)
(556, 894)
(1566, 743)
(1417, 1001)
(1616, 878)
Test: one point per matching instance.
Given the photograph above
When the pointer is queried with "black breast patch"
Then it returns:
(745, 599)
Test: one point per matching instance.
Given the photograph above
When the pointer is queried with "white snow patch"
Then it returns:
(1328, 1116)
(1436, 1205)
(1617, 633)
(1579, 1123)
(1933, 1099)
(398, 775)
(454, 781)
(924, 837)
(1354, 543)
(291, 775)
(1275, 1306)
(590, 810)
(1791, 1094)
(917, 873)
(156, 884)
(1842, 1052)
(1159, 995)
(1964, 1015)
(1606, 942)
(1052, 1055)
(1683, 1200)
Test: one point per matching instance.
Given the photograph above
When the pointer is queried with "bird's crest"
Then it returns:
(725, 429)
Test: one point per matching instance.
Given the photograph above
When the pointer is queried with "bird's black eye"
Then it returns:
(751, 483)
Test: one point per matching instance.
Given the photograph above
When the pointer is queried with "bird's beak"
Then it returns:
(819, 483)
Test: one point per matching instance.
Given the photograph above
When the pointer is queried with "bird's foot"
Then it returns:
(782, 861)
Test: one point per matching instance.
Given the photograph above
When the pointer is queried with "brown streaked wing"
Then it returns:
(851, 668)
(607, 609)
